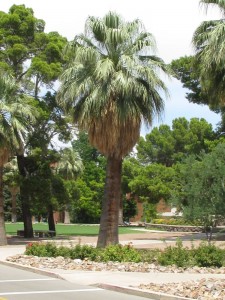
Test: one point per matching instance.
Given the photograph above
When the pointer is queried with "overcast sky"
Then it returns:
(171, 22)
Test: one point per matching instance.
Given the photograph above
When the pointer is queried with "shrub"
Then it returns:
(208, 255)
(177, 255)
(120, 253)
(64, 252)
(41, 249)
(84, 251)
(149, 255)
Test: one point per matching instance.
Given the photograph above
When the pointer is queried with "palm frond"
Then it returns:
(111, 83)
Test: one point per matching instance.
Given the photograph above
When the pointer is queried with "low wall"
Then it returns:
(173, 228)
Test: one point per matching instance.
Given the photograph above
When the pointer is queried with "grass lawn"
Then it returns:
(63, 229)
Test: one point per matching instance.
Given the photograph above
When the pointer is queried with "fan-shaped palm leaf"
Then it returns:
(209, 42)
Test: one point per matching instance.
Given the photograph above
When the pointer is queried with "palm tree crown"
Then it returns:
(70, 165)
(111, 83)
(16, 114)
(209, 43)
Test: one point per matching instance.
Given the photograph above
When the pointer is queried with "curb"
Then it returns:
(31, 269)
(120, 289)
(142, 293)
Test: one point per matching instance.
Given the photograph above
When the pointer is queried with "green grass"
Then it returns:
(63, 229)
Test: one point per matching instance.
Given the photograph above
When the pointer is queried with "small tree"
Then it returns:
(202, 188)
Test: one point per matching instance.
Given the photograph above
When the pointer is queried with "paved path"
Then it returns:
(16, 284)
(122, 281)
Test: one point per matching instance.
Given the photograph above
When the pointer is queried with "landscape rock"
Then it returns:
(204, 289)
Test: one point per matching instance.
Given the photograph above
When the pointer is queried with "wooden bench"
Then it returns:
(20, 233)
(44, 233)
(38, 233)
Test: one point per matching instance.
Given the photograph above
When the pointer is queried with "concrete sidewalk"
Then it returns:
(120, 281)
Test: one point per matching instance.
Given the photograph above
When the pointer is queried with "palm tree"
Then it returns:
(110, 86)
(70, 166)
(209, 43)
(15, 115)
(11, 180)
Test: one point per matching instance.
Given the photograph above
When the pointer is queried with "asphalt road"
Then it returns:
(17, 284)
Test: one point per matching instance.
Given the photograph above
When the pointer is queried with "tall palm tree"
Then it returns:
(15, 115)
(70, 166)
(110, 85)
(209, 43)
(11, 180)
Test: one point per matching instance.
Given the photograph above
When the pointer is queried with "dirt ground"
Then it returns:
(147, 239)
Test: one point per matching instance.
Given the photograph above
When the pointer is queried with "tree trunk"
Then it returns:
(14, 191)
(121, 211)
(108, 232)
(25, 200)
(3, 239)
(51, 221)
(66, 216)
(27, 216)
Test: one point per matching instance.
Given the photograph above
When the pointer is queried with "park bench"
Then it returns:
(38, 233)
(44, 233)
(20, 233)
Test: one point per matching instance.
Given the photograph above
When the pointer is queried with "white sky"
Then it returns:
(172, 22)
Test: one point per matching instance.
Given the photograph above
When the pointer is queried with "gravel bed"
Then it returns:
(204, 289)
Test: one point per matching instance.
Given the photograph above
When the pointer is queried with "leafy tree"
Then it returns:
(31, 55)
(87, 192)
(69, 167)
(157, 146)
(153, 183)
(111, 84)
(18, 30)
(34, 58)
(16, 115)
(165, 145)
(85, 202)
(188, 72)
(201, 187)
(129, 208)
(44, 189)
(82, 146)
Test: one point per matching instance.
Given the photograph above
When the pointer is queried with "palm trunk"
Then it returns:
(121, 211)
(108, 232)
(14, 190)
(51, 221)
(14, 215)
(25, 200)
(3, 239)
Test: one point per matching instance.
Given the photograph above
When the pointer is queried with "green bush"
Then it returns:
(177, 255)
(111, 253)
(84, 251)
(149, 255)
(64, 252)
(208, 255)
(120, 253)
(41, 249)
